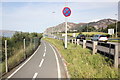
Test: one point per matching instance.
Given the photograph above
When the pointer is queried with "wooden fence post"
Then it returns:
(84, 44)
(24, 49)
(116, 57)
(95, 47)
(72, 41)
(78, 40)
(6, 61)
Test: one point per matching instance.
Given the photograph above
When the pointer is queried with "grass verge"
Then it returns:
(117, 41)
(89, 33)
(82, 64)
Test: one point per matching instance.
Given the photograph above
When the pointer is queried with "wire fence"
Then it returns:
(17, 52)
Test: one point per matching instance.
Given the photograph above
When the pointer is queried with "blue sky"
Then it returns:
(37, 16)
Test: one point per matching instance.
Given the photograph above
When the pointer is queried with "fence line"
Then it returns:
(95, 46)
(25, 52)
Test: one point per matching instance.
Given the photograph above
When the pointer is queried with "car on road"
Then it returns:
(81, 37)
(100, 38)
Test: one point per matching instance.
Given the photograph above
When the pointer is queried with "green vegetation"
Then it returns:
(17, 58)
(88, 33)
(16, 53)
(113, 26)
(89, 29)
(117, 41)
(82, 64)
(93, 31)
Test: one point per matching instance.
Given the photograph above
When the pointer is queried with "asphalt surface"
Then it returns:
(44, 63)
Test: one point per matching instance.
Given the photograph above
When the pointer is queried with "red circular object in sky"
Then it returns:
(66, 11)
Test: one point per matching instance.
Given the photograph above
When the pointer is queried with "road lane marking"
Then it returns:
(64, 63)
(44, 54)
(45, 48)
(41, 63)
(35, 75)
(58, 65)
(24, 63)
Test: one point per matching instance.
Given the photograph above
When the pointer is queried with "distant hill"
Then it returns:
(7, 33)
(102, 23)
(60, 27)
(73, 26)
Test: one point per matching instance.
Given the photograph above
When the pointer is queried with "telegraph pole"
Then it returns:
(87, 30)
(53, 27)
(116, 24)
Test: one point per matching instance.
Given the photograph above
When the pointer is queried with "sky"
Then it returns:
(60, 0)
(37, 16)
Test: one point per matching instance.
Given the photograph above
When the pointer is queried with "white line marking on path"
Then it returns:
(58, 65)
(23, 63)
(64, 63)
(45, 48)
(44, 54)
(41, 62)
(35, 75)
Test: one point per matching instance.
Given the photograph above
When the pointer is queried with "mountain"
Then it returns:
(73, 26)
(102, 23)
(60, 27)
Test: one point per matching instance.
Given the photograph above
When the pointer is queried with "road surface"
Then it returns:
(44, 63)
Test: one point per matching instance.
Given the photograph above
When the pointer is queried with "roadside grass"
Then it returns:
(115, 37)
(17, 58)
(88, 33)
(94, 33)
(82, 64)
(118, 41)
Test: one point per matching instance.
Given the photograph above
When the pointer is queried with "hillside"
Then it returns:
(102, 23)
(73, 26)
(60, 27)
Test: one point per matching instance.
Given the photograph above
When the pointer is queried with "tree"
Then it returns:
(16, 42)
(118, 29)
(111, 26)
